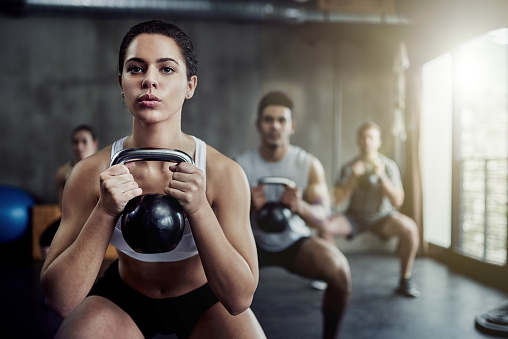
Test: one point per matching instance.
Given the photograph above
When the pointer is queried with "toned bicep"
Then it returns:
(317, 189)
(79, 198)
(60, 184)
(232, 207)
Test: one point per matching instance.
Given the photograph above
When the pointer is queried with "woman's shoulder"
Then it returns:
(222, 172)
(84, 179)
(225, 179)
(94, 164)
(63, 171)
(218, 162)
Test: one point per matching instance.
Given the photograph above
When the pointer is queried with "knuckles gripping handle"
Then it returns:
(275, 181)
(150, 154)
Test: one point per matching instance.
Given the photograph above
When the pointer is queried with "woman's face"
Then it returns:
(154, 79)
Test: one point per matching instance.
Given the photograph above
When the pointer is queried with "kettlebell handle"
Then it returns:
(275, 181)
(150, 154)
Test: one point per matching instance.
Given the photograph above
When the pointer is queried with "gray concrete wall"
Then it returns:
(59, 72)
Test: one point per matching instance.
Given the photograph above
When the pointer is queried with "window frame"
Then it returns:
(494, 275)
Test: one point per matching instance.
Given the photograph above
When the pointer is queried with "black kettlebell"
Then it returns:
(274, 216)
(152, 223)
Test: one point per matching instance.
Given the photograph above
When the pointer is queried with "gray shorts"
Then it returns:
(359, 225)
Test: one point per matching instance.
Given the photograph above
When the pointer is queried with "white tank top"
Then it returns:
(295, 166)
(187, 247)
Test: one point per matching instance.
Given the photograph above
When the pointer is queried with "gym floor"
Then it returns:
(287, 307)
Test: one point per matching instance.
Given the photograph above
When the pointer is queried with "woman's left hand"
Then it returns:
(187, 186)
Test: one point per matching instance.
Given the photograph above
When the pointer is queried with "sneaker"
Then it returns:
(408, 288)
(319, 285)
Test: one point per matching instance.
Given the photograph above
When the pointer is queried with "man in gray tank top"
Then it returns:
(371, 184)
(293, 247)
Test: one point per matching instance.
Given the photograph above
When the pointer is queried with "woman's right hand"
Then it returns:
(117, 188)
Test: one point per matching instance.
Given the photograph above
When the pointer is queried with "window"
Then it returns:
(436, 150)
(477, 71)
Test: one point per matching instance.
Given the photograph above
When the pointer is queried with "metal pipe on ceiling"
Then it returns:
(244, 10)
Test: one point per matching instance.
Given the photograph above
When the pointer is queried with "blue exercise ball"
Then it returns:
(15, 207)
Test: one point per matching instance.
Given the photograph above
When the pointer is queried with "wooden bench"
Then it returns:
(42, 217)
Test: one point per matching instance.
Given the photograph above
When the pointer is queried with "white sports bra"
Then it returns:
(187, 247)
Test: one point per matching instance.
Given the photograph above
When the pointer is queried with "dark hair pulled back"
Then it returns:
(163, 28)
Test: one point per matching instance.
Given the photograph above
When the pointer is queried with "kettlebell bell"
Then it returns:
(152, 223)
(274, 216)
(368, 180)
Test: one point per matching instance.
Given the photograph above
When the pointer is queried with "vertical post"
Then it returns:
(337, 112)
(485, 206)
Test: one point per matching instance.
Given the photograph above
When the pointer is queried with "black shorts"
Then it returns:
(176, 315)
(285, 258)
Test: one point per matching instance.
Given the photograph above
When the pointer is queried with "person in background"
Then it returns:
(372, 185)
(295, 249)
(84, 142)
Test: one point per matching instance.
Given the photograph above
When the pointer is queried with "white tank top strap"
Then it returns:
(187, 246)
(117, 146)
(200, 156)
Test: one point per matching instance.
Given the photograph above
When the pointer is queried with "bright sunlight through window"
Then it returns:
(471, 82)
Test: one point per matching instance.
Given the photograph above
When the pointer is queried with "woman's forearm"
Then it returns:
(67, 276)
(229, 274)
